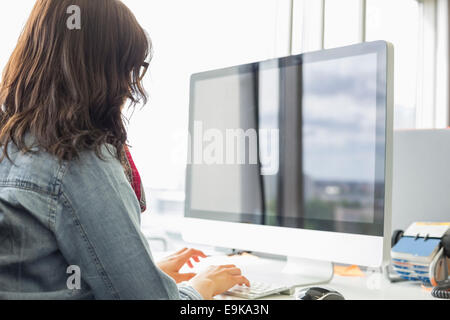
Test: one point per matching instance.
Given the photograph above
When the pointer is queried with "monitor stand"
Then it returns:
(293, 272)
(305, 272)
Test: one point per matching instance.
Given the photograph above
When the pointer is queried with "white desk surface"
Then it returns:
(358, 289)
(373, 286)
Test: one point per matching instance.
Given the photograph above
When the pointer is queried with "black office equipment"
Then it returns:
(317, 293)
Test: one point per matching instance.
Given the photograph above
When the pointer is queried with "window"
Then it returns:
(383, 23)
(419, 31)
(189, 37)
(307, 25)
(342, 23)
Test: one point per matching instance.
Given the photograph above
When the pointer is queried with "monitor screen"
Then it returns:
(295, 142)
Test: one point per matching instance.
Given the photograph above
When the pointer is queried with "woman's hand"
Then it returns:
(217, 280)
(172, 264)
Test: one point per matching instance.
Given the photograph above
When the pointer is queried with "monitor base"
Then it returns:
(305, 272)
(291, 273)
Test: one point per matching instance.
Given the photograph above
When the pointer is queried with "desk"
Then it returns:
(357, 289)
(370, 287)
(373, 286)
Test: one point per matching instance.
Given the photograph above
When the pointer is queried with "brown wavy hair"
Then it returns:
(67, 87)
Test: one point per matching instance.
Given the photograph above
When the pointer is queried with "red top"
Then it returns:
(136, 182)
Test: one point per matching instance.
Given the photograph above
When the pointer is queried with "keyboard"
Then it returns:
(256, 291)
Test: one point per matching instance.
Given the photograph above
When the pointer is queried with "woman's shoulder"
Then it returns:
(42, 171)
(103, 159)
(94, 168)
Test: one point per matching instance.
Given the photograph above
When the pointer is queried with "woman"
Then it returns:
(65, 201)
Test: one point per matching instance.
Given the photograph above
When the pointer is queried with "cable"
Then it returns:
(442, 291)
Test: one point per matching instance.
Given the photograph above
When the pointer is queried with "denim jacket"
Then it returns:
(63, 220)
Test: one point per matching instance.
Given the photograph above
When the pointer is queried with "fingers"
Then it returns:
(184, 256)
(236, 274)
(241, 280)
(181, 251)
(192, 253)
(227, 266)
(188, 254)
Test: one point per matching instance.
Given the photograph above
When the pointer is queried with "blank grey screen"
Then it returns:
(316, 142)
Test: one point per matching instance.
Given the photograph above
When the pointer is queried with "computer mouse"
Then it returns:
(316, 293)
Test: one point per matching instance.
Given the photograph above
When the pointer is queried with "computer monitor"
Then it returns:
(293, 156)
